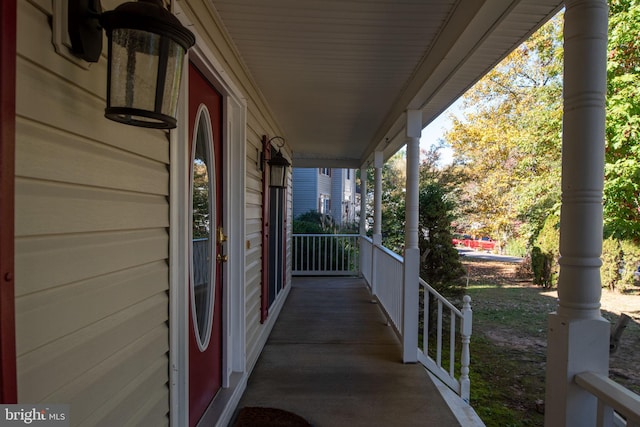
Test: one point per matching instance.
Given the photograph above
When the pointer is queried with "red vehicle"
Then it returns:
(483, 244)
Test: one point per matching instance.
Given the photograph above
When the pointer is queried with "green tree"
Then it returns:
(440, 263)
(508, 141)
(622, 169)
(393, 185)
(311, 222)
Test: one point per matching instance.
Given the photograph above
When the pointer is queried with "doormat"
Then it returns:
(268, 417)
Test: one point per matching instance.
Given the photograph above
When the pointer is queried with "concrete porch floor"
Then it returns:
(332, 359)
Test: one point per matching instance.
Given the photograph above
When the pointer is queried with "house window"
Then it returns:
(325, 204)
(203, 210)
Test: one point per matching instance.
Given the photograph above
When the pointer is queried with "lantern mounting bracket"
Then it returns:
(85, 30)
(266, 143)
(277, 162)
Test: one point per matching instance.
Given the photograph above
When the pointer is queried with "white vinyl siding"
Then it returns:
(305, 194)
(91, 242)
(92, 232)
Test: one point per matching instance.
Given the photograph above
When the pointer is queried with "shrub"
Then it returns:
(545, 253)
(612, 257)
(312, 222)
(515, 247)
(541, 264)
(620, 258)
(631, 252)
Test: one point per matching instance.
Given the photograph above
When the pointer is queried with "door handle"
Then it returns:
(221, 236)
(222, 258)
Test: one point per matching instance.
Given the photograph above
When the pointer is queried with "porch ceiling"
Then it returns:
(339, 74)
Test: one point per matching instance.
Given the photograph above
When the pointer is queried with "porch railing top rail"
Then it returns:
(445, 301)
(612, 398)
(326, 235)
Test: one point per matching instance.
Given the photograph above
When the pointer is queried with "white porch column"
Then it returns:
(411, 249)
(378, 162)
(578, 337)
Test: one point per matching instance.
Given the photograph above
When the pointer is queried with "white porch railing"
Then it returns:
(387, 284)
(325, 255)
(617, 406)
(457, 326)
(366, 258)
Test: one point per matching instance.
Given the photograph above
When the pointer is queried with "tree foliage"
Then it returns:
(393, 184)
(622, 169)
(508, 141)
(440, 263)
(312, 222)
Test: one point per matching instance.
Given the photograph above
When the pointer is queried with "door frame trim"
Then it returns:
(233, 219)
(8, 371)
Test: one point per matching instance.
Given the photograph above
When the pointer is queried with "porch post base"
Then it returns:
(410, 305)
(575, 346)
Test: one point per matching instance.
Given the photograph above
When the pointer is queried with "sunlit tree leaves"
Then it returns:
(622, 170)
(508, 140)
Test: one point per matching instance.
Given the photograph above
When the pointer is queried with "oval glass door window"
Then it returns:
(203, 220)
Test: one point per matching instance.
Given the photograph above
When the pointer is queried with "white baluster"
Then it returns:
(467, 317)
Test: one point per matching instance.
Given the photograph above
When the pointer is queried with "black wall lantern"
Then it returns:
(147, 45)
(278, 164)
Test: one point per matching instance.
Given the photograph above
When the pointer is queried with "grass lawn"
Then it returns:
(508, 346)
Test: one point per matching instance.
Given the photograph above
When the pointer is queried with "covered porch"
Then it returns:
(333, 359)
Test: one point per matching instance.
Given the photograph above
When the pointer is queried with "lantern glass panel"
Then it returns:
(134, 69)
(277, 176)
(172, 81)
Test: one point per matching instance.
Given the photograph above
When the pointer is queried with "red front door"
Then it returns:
(205, 286)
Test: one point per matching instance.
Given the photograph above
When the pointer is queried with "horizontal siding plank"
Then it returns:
(88, 392)
(50, 367)
(253, 229)
(253, 211)
(154, 413)
(43, 317)
(45, 98)
(50, 208)
(254, 255)
(34, 44)
(49, 261)
(252, 198)
(144, 391)
(51, 154)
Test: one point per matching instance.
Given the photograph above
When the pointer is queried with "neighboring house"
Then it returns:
(328, 191)
(141, 290)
